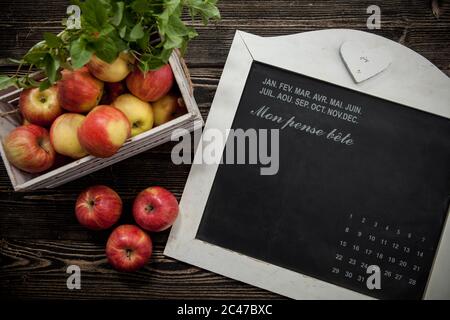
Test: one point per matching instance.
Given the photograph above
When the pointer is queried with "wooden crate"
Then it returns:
(22, 181)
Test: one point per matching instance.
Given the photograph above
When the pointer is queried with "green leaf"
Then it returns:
(172, 41)
(141, 6)
(6, 82)
(35, 56)
(123, 32)
(94, 13)
(80, 53)
(107, 29)
(143, 42)
(118, 13)
(51, 40)
(45, 85)
(137, 32)
(207, 9)
(51, 68)
(106, 49)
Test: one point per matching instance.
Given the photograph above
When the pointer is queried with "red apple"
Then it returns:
(104, 131)
(112, 91)
(98, 207)
(29, 148)
(152, 85)
(155, 209)
(40, 107)
(79, 91)
(128, 248)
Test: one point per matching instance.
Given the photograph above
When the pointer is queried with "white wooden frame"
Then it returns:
(411, 80)
(22, 181)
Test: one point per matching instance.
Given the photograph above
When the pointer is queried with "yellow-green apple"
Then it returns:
(155, 209)
(64, 135)
(112, 90)
(168, 108)
(138, 112)
(79, 91)
(128, 248)
(98, 207)
(104, 131)
(110, 72)
(151, 85)
(40, 107)
(29, 148)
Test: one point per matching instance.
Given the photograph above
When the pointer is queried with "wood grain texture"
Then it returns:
(39, 236)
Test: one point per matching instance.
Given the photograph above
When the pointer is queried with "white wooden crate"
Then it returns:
(22, 181)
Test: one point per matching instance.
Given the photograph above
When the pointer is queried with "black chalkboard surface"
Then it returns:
(373, 189)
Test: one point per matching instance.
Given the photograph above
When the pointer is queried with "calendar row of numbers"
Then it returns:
(393, 260)
(383, 242)
(377, 227)
(351, 274)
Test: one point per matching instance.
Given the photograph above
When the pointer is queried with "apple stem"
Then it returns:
(128, 252)
(149, 208)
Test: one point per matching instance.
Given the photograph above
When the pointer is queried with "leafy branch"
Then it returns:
(148, 29)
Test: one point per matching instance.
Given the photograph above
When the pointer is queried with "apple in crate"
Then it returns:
(155, 209)
(104, 131)
(98, 208)
(151, 85)
(110, 72)
(128, 248)
(29, 148)
(111, 91)
(79, 91)
(168, 108)
(64, 135)
(138, 112)
(40, 107)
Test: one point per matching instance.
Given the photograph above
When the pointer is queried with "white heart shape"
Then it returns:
(364, 63)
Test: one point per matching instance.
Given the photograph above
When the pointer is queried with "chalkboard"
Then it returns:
(371, 189)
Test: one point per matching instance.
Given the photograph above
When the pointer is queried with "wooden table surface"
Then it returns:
(39, 235)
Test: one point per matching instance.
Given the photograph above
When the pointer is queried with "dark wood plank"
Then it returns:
(39, 235)
(37, 268)
(412, 22)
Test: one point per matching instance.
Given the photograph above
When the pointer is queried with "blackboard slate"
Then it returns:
(333, 209)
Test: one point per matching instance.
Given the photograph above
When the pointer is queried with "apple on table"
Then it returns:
(98, 207)
(128, 248)
(155, 209)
